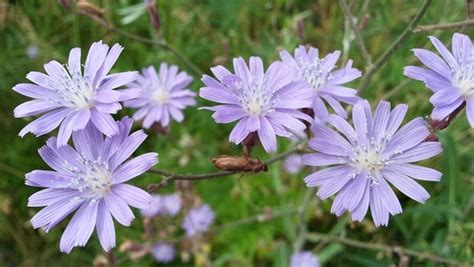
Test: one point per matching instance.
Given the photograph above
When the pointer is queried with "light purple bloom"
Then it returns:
(161, 95)
(326, 81)
(198, 220)
(155, 208)
(263, 102)
(163, 252)
(293, 163)
(69, 98)
(304, 259)
(172, 204)
(163, 205)
(365, 158)
(32, 52)
(451, 78)
(90, 179)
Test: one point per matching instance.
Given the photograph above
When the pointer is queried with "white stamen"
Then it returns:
(255, 99)
(160, 95)
(314, 73)
(93, 181)
(463, 76)
(76, 90)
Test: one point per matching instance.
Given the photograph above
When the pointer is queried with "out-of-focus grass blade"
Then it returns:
(451, 162)
(330, 252)
(131, 13)
(282, 257)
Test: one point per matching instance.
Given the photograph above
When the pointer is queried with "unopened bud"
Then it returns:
(100, 261)
(160, 129)
(153, 14)
(129, 245)
(299, 26)
(92, 11)
(65, 3)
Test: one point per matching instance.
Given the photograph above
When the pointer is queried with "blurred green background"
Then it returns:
(213, 32)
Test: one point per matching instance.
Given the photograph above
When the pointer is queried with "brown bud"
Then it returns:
(65, 3)
(232, 163)
(249, 142)
(299, 27)
(364, 21)
(443, 123)
(159, 129)
(100, 261)
(129, 245)
(154, 15)
(468, 4)
(92, 11)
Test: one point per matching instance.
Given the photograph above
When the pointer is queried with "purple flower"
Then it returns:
(32, 52)
(68, 97)
(161, 95)
(451, 78)
(326, 81)
(365, 158)
(155, 208)
(198, 220)
(163, 252)
(263, 102)
(293, 163)
(172, 204)
(90, 179)
(163, 205)
(304, 259)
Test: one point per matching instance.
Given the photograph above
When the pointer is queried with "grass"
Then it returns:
(213, 32)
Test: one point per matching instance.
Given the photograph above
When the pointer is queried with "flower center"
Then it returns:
(94, 180)
(463, 77)
(254, 98)
(160, 96)
(314, 74)
(367, 159)
(76, 90)
(254, 107)
(466, 86)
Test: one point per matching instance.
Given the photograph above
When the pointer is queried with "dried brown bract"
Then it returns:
(86, 8)
(233, 163)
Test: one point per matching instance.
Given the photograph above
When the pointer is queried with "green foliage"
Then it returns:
(213, 32)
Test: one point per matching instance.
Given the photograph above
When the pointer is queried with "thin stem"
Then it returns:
(161, 43)
(258, 218)
(169, 176)
(302, 227)
(396, 89)
(363, 9)
(444, 26)
(393, 47)
(360, 42)
(316, 237)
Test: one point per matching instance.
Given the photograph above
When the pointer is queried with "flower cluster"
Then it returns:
(365, 158)
(161, 228)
